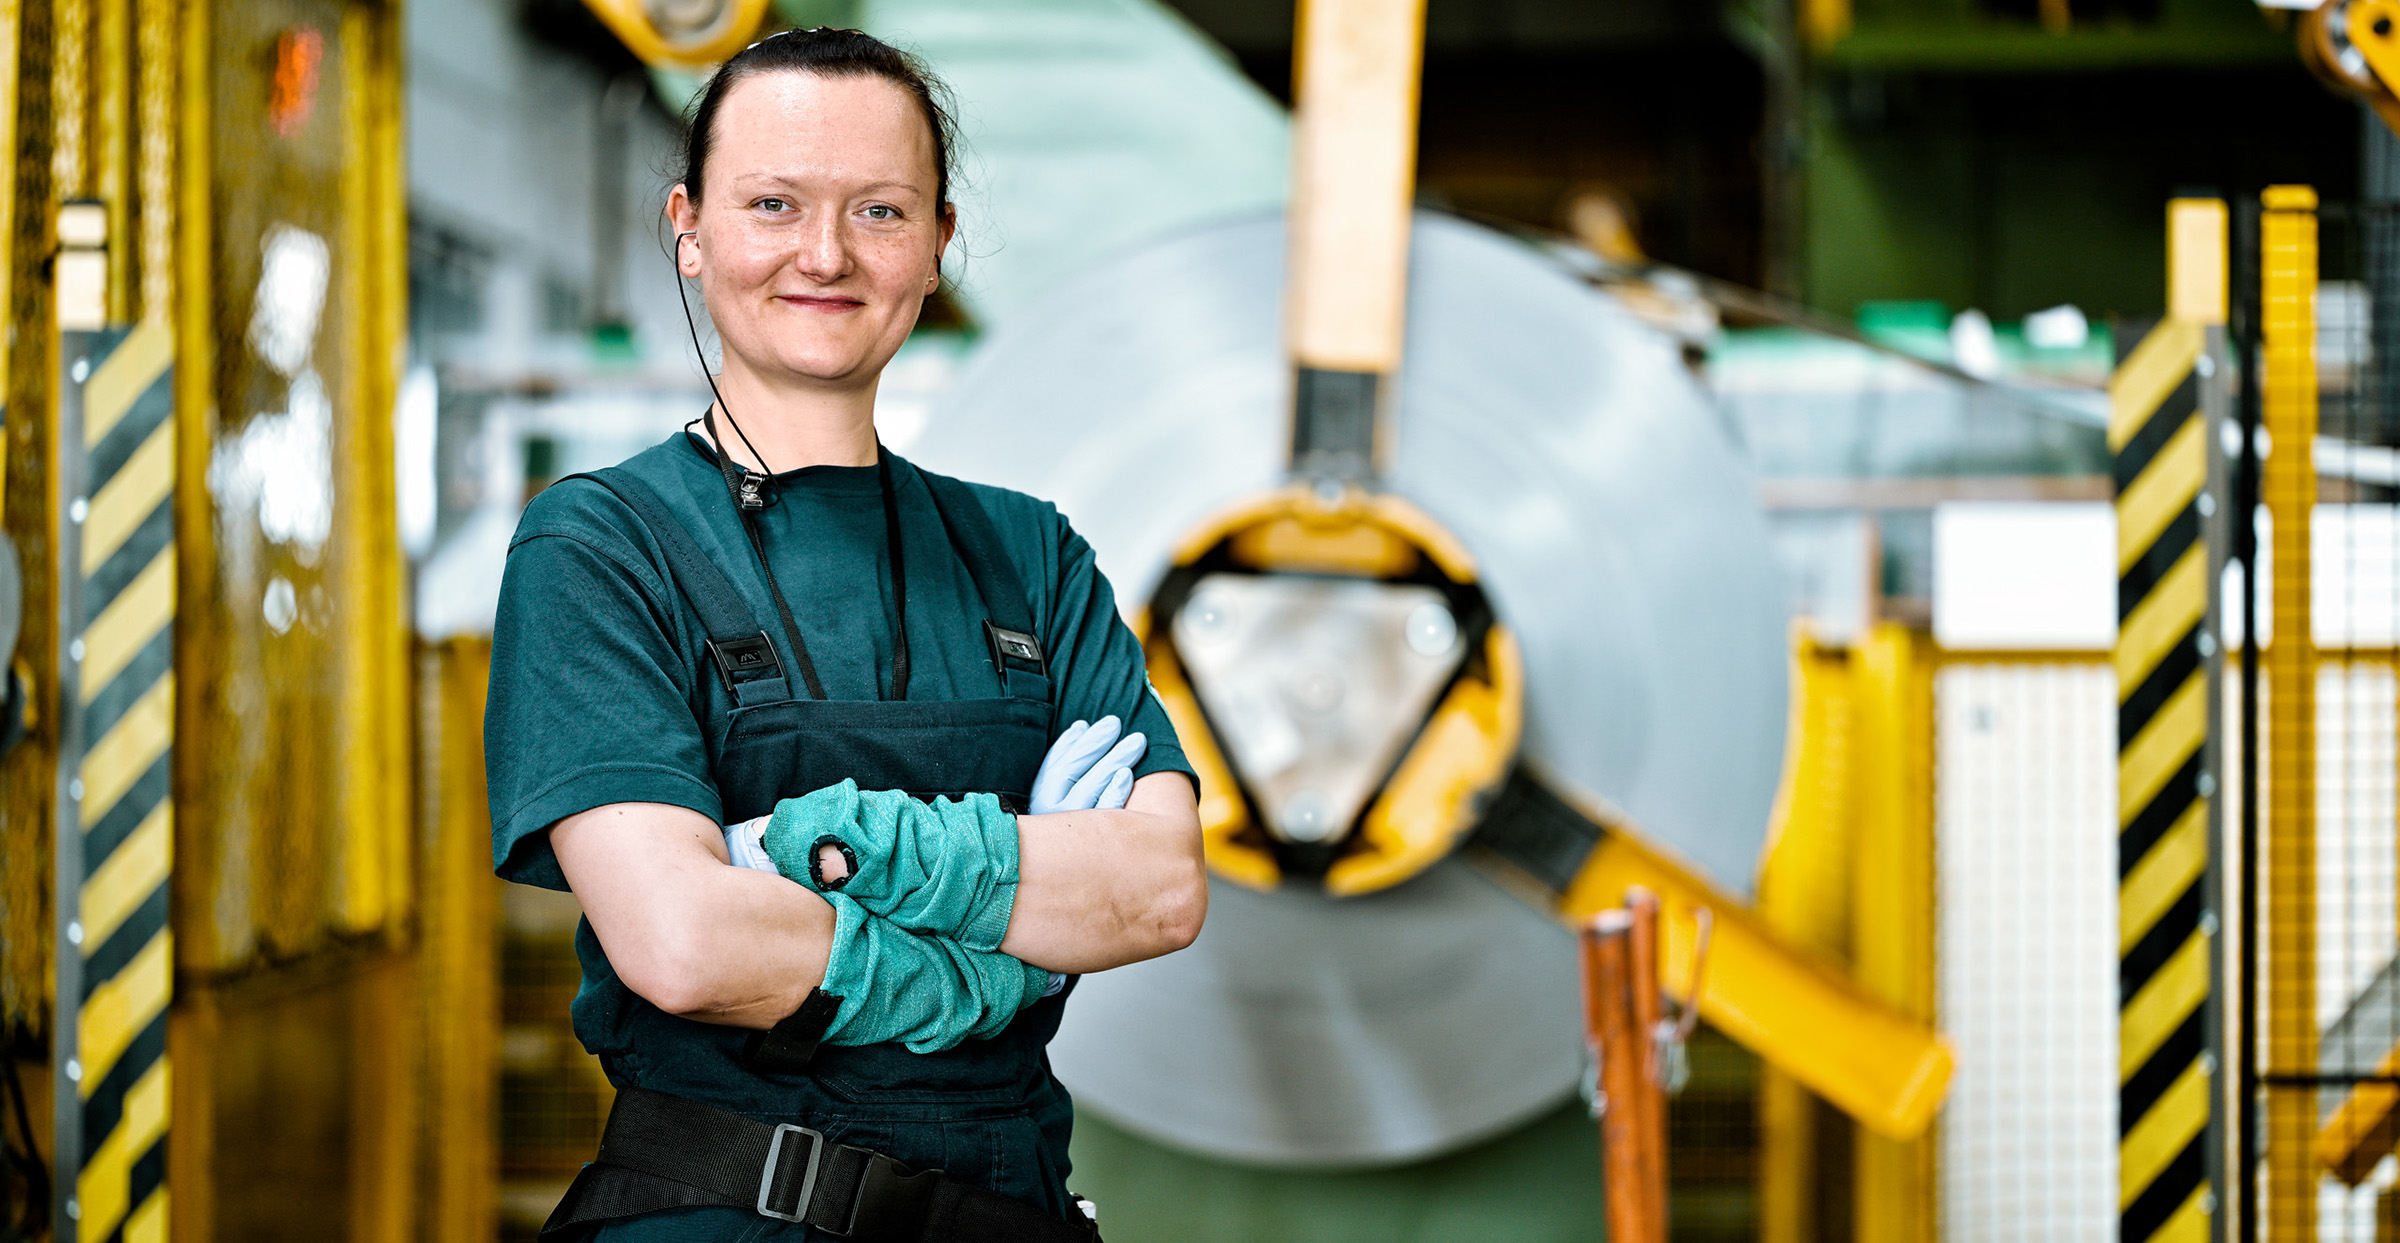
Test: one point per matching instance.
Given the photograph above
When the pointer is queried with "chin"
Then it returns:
(827, 366)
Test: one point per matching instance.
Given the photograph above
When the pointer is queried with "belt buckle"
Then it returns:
(808, 1181)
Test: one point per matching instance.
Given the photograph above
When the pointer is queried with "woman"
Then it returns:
(769, 605)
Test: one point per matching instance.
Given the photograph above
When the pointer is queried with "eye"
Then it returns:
(772, 204)
(883, 211)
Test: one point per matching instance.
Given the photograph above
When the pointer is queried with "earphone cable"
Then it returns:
(691, 326)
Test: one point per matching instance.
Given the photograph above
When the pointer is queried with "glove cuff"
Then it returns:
(783, 840)
(849, 964)
(1037, 986)
(987, 924)
(987, 927)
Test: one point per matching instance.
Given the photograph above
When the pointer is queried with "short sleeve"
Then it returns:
(590, 701)
(1096, 664)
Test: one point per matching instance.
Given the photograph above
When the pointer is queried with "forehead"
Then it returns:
(795, 123)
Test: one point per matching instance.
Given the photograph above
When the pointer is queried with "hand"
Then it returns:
(745, 846)
(1088, 768)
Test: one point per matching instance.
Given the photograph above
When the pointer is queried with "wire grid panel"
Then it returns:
(2025, 779)
(2329, 880)
(2358, 894)
(2358, 915)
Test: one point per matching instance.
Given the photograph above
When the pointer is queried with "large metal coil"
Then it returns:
(1613, 524)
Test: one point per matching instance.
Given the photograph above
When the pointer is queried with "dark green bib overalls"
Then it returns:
(987, 1112)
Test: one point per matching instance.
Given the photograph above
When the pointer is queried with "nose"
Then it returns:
(823, 253)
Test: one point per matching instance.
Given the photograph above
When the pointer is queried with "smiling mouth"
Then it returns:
(809, 303)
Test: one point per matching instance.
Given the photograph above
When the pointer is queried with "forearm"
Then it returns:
(1100, 889)
(928, 993)
(946, 868)
(686, 932)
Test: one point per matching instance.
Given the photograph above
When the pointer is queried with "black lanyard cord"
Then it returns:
(891, 543)
(791, 629)
(745, 487)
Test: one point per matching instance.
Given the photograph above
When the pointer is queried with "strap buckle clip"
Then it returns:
(774, 1166)
(1015, 646)
(747, 659)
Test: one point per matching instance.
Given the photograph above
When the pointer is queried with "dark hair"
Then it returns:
(832, 53)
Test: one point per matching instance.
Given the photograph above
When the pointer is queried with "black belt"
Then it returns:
(662, 1151)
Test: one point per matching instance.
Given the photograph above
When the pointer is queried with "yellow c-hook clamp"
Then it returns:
(700, 45)
(2353, 46)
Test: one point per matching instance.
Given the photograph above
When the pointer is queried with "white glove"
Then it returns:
(746, 843)
(1088, 767)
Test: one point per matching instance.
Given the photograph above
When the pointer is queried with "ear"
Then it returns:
(683, 215)
(941, 247)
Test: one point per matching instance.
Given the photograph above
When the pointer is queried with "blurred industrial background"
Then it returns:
(1930, 470)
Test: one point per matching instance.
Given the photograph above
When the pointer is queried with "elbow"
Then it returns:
(1183, 909)
(670, 973)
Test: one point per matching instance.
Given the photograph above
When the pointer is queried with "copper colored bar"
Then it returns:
(1644, 995)
(1629, 1163)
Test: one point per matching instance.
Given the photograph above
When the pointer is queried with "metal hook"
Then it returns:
(1688, 1010)
(1671, 1039)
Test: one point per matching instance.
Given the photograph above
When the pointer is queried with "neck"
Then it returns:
(795, 427)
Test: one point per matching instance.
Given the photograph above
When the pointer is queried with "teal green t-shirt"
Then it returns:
(601, 688)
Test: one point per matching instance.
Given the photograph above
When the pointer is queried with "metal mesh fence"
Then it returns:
(2319, 1099)
(553, 1095)
(2024, 822)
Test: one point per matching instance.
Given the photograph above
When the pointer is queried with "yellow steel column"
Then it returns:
(2288, 854)
(111, 143)
(150, 236)
(70, 97)
(375, 884)
(1804, 894)
(31, 363)
(461, 998)
(1892, 922)
(375, 867)
(196, 1026)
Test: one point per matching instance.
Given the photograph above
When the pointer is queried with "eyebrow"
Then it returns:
(783, 179)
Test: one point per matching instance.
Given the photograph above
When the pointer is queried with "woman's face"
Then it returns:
(817, 235)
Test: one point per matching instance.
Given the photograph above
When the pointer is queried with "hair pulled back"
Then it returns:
(832, 53)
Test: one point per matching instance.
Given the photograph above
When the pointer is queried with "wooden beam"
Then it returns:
(1354, 165)
(1354, 155)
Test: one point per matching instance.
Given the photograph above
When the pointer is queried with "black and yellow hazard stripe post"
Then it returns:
(2169, 1172)
(116, 694)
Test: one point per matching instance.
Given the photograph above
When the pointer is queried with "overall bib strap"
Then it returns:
(744, 656)
(1017, 655)
(661, 1151)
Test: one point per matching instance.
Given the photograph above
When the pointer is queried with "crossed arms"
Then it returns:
(720, 944)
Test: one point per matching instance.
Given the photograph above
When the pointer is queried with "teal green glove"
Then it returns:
(927, 993)
(944, 869)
